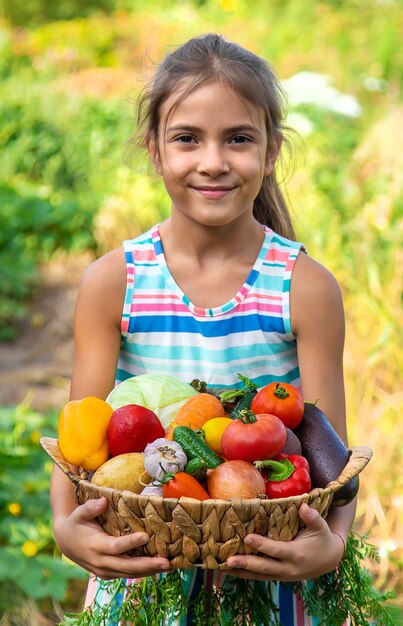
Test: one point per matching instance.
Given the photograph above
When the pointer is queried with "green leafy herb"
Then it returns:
(347, 592)
(247, 603)
(233, 394)
(147, 603)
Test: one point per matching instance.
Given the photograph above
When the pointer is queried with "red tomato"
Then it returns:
(281, 399)
(131, 428)
(262, 437)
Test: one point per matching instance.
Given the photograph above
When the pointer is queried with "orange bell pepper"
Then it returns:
(82, 432)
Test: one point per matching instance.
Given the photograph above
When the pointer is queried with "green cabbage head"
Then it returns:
(161, 393)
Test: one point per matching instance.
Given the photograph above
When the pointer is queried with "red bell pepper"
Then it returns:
(285, 475)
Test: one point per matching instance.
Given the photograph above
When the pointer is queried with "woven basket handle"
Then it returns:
(360, 456)
(51, 446)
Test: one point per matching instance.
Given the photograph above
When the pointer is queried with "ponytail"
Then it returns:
(270, 208)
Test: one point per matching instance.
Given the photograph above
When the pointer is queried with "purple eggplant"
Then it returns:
(325, 452)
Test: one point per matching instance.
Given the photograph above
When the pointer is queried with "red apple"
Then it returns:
(131, 428)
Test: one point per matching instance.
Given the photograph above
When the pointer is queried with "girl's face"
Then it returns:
(212, 152)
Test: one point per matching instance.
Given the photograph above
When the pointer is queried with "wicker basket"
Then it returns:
(202, 534)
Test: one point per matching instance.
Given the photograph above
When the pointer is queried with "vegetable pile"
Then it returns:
(161, 437)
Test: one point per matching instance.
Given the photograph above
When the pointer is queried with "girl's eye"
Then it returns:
(240, 139)
(185, 139)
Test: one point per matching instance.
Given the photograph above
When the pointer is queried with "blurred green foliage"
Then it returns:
(30, 565)
(38, 11)
(57, 158)
(69, 73)
(31, 230)
(33, 12)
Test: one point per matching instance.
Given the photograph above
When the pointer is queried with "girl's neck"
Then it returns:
(210, 265)
(205, 244)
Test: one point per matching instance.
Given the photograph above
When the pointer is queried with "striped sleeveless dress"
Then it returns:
(164, 333)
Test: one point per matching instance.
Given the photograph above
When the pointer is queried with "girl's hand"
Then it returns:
(81, 539)
(314, 551)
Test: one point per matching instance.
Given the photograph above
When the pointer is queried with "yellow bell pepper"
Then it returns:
(82, 432)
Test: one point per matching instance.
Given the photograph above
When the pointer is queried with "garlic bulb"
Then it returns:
(162, 456)
(152, 490)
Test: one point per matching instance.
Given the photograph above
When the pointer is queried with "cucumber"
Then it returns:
(196, 468)
(195, 448)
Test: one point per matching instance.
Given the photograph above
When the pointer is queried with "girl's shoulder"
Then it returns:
(108, 269)
(108, 274)
(314, 292)
(311, 277)
(104, 282)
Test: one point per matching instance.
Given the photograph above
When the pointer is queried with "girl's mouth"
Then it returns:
(214, 193)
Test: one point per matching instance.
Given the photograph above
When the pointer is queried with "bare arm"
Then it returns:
(96, 346)
(97, 342)
(97, 327)
(318, 322)
(320, 340)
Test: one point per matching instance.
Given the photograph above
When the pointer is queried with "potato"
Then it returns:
(123, 472)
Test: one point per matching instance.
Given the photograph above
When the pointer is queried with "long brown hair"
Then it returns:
(211, 58)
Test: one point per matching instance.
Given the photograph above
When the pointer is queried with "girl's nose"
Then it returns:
(212, 161)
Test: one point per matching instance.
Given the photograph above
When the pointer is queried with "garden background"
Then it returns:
(70, 72)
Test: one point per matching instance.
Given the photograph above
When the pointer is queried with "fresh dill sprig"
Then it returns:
(100, 614)
(347, 592)
(204, 607)
(153, 600)
(246, 602)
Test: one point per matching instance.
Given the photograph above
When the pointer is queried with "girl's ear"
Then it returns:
(272, 154)
(154, 155)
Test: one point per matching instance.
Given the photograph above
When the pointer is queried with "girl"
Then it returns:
(218, 288)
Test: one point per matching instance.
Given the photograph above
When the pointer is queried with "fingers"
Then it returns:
(114, 546)
(255, 574)
(311, 518)
(130, 567)
(113, 563)
(90, 510)
(281, 561)
(262, 568)
(108, 559)
(101, 541)
(278, 560)
(102, 554)
(284, 560)
(277, 550)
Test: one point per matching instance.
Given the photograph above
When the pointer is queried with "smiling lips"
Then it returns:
(213, 193)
